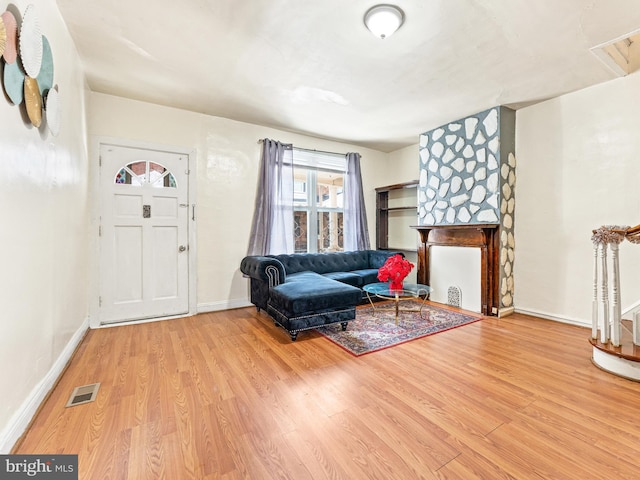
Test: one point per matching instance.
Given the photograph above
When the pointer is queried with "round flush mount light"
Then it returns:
(384, 20)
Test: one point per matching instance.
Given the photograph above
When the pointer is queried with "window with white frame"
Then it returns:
(318, 200)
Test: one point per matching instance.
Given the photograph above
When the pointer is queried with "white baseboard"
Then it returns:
(22, 418)
(223, 305)
(200, 308)
(555, 318)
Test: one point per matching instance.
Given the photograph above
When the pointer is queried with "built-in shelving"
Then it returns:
(396, 212)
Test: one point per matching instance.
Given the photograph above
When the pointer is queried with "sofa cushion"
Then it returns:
(308, 292)
(367, 275)
(350, 278)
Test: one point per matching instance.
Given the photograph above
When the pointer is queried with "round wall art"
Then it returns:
(11, 28)
(45, 77)
(33, 101)
(52, 110)
(13, 81)
(3, 37)
(30, 42)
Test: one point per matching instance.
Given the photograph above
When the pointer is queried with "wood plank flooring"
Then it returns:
(227, 395)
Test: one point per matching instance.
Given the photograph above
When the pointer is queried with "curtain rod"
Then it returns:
(261, 140)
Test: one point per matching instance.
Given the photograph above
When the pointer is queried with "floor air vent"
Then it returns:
(454, 296)
(83, 394)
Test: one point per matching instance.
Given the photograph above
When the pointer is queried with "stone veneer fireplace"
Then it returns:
(466, 197)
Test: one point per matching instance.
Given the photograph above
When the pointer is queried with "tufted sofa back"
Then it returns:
(325, 262)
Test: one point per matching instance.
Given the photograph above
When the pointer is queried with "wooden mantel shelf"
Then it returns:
(460, 226)
(482, 235)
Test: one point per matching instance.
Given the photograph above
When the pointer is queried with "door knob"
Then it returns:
(182, 248)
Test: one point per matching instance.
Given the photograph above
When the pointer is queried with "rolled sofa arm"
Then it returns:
(267, 269)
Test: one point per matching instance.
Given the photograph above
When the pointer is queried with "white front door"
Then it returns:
(144, 215)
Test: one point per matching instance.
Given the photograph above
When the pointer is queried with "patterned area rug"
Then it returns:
(371, 332)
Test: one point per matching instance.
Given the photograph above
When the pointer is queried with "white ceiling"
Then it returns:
(310, 66)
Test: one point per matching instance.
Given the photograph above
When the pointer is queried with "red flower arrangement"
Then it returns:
(394, 271)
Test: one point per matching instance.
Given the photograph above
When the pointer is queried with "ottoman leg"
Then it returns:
(293, 335)
(344, 325)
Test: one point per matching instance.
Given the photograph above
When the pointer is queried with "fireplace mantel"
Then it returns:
(484, 236)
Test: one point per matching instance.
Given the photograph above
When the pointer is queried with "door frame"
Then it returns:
(94, 239)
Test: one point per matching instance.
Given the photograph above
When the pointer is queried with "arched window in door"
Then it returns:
(145, 172)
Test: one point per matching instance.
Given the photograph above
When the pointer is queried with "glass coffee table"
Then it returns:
(409, 291)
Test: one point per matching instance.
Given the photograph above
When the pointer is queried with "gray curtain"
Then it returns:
(356, 232)
(272, 229)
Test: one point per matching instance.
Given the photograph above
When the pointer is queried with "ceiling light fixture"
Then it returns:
(384, 20)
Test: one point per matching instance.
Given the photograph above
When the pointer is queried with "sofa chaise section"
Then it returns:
(308, 300)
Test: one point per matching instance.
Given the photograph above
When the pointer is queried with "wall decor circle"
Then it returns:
(45, 77)
(13, 82)
(11, 28)
(33, 101)
(30, 41)
(3, 37)
(52, 110)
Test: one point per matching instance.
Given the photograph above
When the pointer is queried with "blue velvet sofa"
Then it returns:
(302, 291)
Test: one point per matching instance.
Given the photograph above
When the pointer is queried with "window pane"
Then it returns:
(156, 175)
(139, 168)
(154, 167)
(132, 174)
(165, 180)
(170, 181)
(123, 177)
(300, 231)
(160, 177)
(330, 188)
(300, 187)
(330, 238)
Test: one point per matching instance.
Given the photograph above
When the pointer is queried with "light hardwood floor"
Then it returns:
(227, 395)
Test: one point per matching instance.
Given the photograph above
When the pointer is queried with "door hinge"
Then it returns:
(187, 172)
(99, 160)
(100, 301)
(99, 230)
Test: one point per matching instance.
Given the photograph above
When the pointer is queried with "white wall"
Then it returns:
(403, 165)
(578, 168)
(227, 154)
(43, 206)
